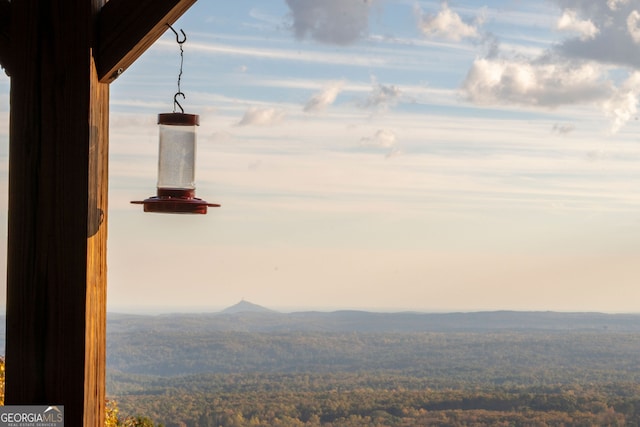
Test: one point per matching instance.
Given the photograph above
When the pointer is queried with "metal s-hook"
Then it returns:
(179, 92)
(176, 103)
(184, 36)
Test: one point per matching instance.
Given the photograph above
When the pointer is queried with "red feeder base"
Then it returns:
(177, 201)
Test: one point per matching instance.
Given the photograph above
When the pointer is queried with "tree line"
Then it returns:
(184, 378)
(601, 405)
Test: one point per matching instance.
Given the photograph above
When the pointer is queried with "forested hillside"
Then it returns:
(361, 400)
(266, 370)
(372, 369)
(362, 321)
(499, 357)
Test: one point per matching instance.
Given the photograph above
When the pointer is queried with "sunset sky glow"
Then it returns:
(384, 155)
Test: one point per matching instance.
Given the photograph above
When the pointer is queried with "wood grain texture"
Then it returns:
(61, 53)
(96, 256)
(127, 28)
(56, 281)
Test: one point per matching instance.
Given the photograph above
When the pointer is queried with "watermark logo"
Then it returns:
(31, 416)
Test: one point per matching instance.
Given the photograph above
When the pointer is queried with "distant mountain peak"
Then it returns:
(245, 306)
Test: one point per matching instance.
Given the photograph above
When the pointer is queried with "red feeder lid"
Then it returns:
(178, 119)
(177, 201)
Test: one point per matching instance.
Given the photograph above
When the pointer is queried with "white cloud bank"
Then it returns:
(493, 81)
(596, 66)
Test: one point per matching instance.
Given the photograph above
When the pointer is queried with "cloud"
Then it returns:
(595, 66)
(262, 116)
(562, 129)
(613, 4)
(308, 56)
(382, 139)
(382, 96)
(321, 100)
(623, 104)
(618, 35)
(632, 26)
(569, 21)
(495, 81)
(221, 136)
(338, 22)
(395, 151)
(446, 25)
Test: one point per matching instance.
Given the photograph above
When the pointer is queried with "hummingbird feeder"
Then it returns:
(176, 190)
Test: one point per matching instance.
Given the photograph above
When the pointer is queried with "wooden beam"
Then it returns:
(127, 28)
(5, 28)
(61, 53)
(96, 252)
(56, 263)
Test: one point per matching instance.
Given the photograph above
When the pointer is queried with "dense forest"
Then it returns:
(527, 358)
(341, 373)
(303, 400)
(363, 369)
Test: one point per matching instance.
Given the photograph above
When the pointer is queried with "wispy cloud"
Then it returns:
(262, 116)
(383, 138)
(321, 100)
(310, 56)
(382, 96)
(563, 129)
(449, 176)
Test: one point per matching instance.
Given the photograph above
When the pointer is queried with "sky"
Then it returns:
(384, 155)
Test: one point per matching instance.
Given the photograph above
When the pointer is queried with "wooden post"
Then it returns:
(58, 175)
(56, 287)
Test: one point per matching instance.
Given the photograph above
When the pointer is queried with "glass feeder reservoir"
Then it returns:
(176, 188)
